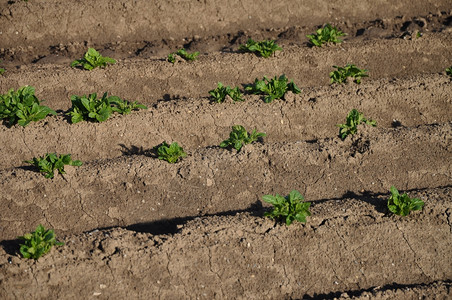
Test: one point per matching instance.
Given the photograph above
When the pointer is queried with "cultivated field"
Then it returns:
(138, 227)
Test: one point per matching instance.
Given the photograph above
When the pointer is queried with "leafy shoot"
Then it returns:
(274, 88)
(325, 35)
(449, 71)
(219, 94)
(354, 118)
(342, 73)
(50, 162)
(124, 107)
(239, 137)
(38, 243)
(183, 54)
(171, 153)
(402, 204)
(264, 48)
(89, 108)
(22, 107)
(92, 59)
(289, 208)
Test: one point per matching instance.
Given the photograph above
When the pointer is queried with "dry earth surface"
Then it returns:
(137, 227)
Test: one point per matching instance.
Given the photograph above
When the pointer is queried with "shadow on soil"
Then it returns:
(11, 246)
(172, 226)
(357, 293)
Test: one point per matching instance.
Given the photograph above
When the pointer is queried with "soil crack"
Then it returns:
(412, 250)
(449, 218)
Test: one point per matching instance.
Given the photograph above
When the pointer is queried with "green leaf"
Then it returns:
(326, 35)
(219, 94)
(402, 204)
(349, 71)
(289, 208)
(92, 59)
(38, 243)
(273, 89)
(354, 118)
(239, 137)
(183, 54)
(22, 107)
(449, 71)
(264, 48)
(50, 162)
(171, 153)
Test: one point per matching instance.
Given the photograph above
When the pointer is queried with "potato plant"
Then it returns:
(171, 153)
(38, 243)
(90, 108)
(50, 162)
(449, 71)
(239, 137)
(264, 48)
(182, 53)
(124, 107)
(22, 107)
(354, 118)
(274, 88)
(92, 59)
(343, 73)
(402, 205)
(2, 70)
(289, 208)
(219, 94)
(326, 35)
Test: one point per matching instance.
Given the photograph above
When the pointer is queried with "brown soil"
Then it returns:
(140, 228)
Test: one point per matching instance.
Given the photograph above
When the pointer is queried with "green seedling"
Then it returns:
(239, 137)
(325, 35)
(354, 118)
(183, 54)
(38, 243)
(342, 73)
(22, 107)
(50, 162)
(2, 70)
(171, 153)
(402, 204)
(92, 59)
(90, 108)
(263, 48)
(274, 88)
(449, 71)
(124, 107)
(219, 94)
(288, 208)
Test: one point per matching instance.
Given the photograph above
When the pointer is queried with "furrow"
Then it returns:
(134, 189)
(197, 123)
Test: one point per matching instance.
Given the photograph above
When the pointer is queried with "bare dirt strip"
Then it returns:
(137, 227)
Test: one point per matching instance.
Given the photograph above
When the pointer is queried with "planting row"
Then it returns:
(311, 115)
(145, 21)
(288, 209)
(156, 79)
(345, 245)
(139, 188)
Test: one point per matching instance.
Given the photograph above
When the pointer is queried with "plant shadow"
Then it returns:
(172, 226)
(11, 247)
